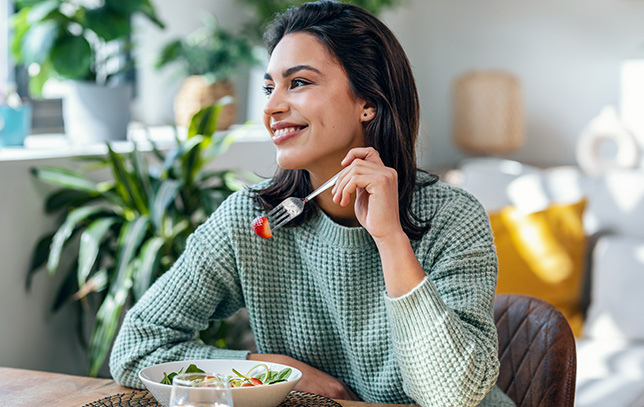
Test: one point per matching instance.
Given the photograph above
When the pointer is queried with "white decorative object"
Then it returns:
(607, 127)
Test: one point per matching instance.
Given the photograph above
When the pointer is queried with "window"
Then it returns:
(46, 113)
(4, 43)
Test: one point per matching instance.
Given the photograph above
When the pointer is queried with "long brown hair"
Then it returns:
(379, 73)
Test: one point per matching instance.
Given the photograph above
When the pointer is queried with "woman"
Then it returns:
(383, 289)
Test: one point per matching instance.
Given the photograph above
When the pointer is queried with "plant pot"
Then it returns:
(94, 114)
(196, 92)
(15, 125)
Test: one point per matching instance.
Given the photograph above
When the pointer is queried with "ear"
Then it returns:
(368, 113)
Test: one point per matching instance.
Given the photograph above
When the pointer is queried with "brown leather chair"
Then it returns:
(537, 352)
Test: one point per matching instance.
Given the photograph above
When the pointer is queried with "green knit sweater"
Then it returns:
(316, 293)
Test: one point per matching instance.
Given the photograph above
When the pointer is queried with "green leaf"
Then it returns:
(107, 320)
(63, 199)
(66, 289)
(41, 11)
(108, 24)
(110, 311)
(194, 369)
(129, 242)
(64, 178)
(180, 157)
(166, 193)
(71, 56)
(124, 7)
(204, 122)
(38, 257)
(170, 53)
(37, 82)
(148, 10)
(192, 161)
(180, 228)
(26, 3)
(140, 174)
(38, 42)
(233, 182)
(125, 186)
(65, 231)
(90, 242)
(150, 259)
(283, 375)
(167, 379)
(97, 283)
(20, 28)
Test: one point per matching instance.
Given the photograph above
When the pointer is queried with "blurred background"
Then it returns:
(537, 108)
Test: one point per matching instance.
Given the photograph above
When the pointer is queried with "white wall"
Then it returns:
(567, 55)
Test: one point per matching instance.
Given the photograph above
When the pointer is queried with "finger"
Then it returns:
(341, 184)
(352, 184)
(340, 189)
(360, 173)
(363, 153)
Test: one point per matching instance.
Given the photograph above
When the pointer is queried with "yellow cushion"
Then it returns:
(542, 254)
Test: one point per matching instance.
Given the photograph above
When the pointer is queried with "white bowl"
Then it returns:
(269, 395)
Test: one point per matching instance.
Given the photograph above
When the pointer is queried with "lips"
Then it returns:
(282, 133)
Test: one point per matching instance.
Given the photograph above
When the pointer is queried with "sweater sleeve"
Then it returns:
(163, 324)
(443, 330)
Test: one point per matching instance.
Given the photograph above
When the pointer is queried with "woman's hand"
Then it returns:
(376, 208)
(313, 380)
(376, 191)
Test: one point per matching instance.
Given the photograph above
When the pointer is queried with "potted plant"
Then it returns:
(87, 45)
(125, 232)
(209, 58)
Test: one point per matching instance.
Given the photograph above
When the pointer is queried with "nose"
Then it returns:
(276, 103)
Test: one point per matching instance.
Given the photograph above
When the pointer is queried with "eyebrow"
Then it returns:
(290, 71)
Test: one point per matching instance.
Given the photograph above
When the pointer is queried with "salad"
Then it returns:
(259, 375)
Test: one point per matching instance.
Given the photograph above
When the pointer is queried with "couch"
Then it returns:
(592, 228)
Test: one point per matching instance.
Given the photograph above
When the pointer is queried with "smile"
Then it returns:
(284, 134)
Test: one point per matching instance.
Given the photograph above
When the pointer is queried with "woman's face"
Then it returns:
(311, 114)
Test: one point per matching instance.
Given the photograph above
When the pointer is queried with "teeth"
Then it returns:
(281, 132)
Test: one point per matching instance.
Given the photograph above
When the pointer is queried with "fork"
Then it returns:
(292, 207)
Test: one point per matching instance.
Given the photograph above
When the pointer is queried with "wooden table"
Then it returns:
(30, 388)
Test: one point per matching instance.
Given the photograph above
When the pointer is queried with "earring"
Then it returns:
(365, 115)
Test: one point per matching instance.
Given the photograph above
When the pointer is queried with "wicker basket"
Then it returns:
(488, 112)
(196, 93)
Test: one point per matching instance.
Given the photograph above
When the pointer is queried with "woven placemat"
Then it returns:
(136, 398)
(302, 399)
(145, 399)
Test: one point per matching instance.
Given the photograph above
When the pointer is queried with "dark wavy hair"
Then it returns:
(379, 73)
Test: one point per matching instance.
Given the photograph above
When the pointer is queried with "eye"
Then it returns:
(267, 90)
(296, 83)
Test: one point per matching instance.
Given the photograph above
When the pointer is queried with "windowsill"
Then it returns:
(45, 146)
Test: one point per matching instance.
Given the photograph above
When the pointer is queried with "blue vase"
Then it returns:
(15, 125)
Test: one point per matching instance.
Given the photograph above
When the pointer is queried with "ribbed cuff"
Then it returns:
(217, 353)
(413, 313)
(202, 351)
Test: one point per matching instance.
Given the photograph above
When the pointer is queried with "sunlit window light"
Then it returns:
(626, 189)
